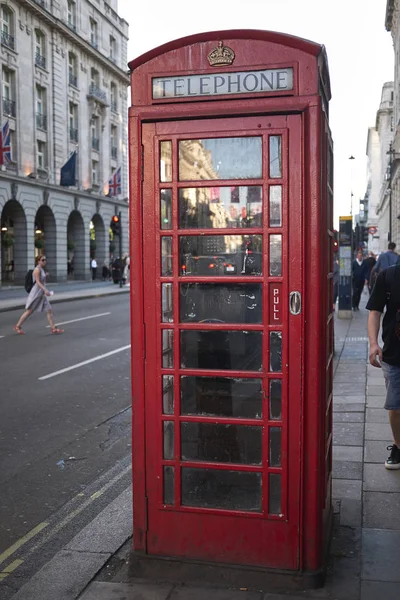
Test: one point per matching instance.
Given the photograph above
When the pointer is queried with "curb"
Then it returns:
(70, 299)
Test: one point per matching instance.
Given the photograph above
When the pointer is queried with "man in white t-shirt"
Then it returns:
(93, 266)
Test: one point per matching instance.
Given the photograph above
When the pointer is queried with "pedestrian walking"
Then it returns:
(370, 261)
(388, 258)
(386, 294)
(93, 266)
(37, 300)
(359, 270)
(105, 271)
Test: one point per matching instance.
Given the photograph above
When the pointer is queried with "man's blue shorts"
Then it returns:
(392, 381)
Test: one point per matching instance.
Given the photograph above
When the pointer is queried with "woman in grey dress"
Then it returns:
(37, 300)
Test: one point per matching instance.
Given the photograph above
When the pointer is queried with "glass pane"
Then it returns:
(231, 350)
(169, 483)
(275, 255)
(275, 206)
(220, 158)
(275, 156)
(168, 348)
(275, 399)
(168, 394)
(222, 255)
(220, 207)
(275, 351)
(167, 304)
(214, 442)
(220, 303)
(275, 446)
(166, 256)
(275, 494)
(232, 490)
(168, 427)
(166, 209)
(165, 161)
(221, 396)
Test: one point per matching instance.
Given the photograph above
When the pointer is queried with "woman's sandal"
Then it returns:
(57, 330)
(18, 330)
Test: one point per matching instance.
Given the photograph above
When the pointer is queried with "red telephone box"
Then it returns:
(231, 177)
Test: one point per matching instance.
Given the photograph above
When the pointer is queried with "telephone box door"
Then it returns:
(223, 337)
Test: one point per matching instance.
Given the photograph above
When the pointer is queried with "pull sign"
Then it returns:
(275, 304)
(295, 303)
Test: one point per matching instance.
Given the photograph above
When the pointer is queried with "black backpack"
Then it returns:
(29, 283)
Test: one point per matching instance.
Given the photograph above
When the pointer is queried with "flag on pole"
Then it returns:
(5, 144)
(114, 184)
(68, 171)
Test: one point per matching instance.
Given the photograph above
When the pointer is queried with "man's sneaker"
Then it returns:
(393, 461)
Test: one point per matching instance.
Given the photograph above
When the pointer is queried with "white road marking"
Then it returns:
(81, 319)
(82, 364)
(1, 336)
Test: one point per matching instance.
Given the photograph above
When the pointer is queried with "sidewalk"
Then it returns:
(14, 297)
(366, 498)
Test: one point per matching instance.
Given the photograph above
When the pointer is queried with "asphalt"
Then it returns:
(95, 563)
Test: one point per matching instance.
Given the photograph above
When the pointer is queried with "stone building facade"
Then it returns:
(63, 90)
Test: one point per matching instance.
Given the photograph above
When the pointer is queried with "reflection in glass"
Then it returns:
(213, 442)
(165, 161)
(275, 351)
(168, 348)
(275, 494)
(222, 255)
(275, 255)
(166, 301)
(166, 256)
(220, 158)
(168, 394)
(168, 427)
(275, 156)
(231, 350)
(275, 446)
(169, 483)
(275, 206)
(166, 209)
(220, 207)
(221, 396)
(221, 303)
(275, 399)
(231, 490)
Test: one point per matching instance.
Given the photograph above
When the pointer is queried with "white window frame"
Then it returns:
(94, 32)
(95, 172)
(114, 139)
(95, 77)
(40, 43)
(71, 8)
(113, 48)
(7, 84)
(41, 154)
(40, 100)
(6, 20)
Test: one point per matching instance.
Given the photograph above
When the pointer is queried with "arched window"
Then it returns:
(40, 49)
(7, 27)
(72, 69)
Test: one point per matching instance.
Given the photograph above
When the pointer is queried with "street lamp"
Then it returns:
(351, 190)
(390, 152)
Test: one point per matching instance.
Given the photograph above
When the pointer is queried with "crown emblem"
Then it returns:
(222, 55)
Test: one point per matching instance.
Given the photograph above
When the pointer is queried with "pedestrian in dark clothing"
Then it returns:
(388, 258)
(359, 271)
(371, 262)
(104, 271)
(386, 294)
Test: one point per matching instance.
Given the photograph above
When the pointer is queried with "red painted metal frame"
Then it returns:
(309, 154)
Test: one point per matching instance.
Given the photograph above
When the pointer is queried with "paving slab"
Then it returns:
(348, 389)
(126, 591)
(349, 377)
(374, 590)
(350, 512)
(348, 453)
(347, 469)
(349, 417)
(355, 407)
(376, 415)
(348, 434)
(376, 451)
(64, 577)
(377, 431)
(379, 479)
(195, 593)
(346, 399)
(381, 510)
(376, 390)
(345, 488)
(380, 555)
(375, 401)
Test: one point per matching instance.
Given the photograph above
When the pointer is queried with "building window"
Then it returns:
(113, 97)
(7, 27)
(8, 93)
(41, 155)
(72, 69)
(93, 33)
(95, 173)
(114, 142)
(94, 128)
(73, 122)
(71, 14)
(41, 119)
(113, 49)
(40, 49)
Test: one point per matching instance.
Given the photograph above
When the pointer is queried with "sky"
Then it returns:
(360, 55)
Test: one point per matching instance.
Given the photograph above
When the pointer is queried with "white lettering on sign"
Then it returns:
(276, 308)
(218, 84)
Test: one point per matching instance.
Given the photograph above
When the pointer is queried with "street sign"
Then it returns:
(372, 230)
